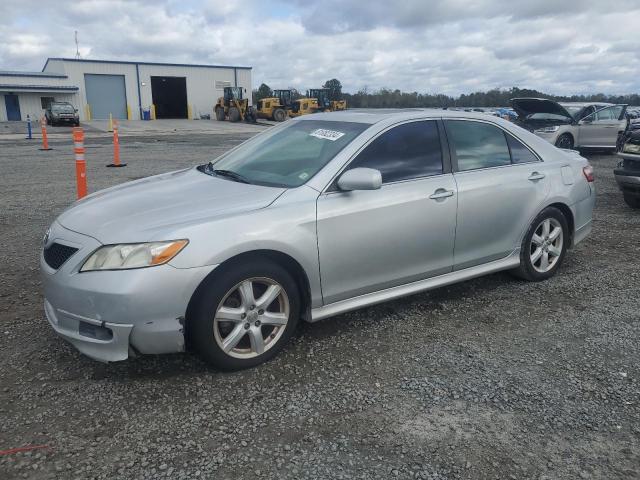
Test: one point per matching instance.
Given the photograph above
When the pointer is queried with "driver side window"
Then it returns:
(408, 151)
(609, 113)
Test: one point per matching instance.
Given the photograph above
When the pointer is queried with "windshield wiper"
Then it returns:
(230, 174)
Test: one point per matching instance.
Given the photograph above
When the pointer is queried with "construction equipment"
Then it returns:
(324, 102)
(317, 100)
(233, 106)
(303, 106)
(276, 106)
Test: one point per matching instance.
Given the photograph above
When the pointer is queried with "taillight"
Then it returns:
(588, 173)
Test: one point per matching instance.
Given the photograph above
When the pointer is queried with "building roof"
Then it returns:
(38, 88)
(125, 62)
(12, 73)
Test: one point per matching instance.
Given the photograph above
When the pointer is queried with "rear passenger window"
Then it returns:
(520, 153)
(410, 150)
(478, 145)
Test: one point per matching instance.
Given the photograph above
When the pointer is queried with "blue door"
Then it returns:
(13, 107)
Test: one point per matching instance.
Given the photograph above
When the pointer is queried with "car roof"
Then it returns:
(375, 115)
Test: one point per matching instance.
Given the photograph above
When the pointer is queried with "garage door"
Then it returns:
(106, 95)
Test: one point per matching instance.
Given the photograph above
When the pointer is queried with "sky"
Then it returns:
(431, 46)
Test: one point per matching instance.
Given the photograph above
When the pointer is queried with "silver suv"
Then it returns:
(572, 125)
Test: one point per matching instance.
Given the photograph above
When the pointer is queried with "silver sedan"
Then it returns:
(318, 216)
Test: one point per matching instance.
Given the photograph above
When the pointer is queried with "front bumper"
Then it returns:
(105, 313)
(69, 120)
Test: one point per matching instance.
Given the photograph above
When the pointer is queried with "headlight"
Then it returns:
(547, 129)
(133, 255)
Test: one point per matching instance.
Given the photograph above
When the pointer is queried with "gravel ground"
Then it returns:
(491, 378)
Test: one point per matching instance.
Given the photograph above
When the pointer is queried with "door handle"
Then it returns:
(441, 193)
(536, 176)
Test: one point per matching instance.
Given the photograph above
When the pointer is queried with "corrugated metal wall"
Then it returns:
(76, 71)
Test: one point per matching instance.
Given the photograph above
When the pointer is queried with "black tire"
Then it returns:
(632, 200)
(77, 124)
(565, 141)
(527, 270)
(234, 114)
(279, 115)
(219, 114)
(213, 292)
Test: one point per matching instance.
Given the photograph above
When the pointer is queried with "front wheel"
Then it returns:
(234, 114)
(244, 315)
(220, 114)
(544, 246)
(279, 115)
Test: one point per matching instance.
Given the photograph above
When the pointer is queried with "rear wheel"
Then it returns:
(219, 114)
(544, 246)
(234, 114)
(279, 115)
(565, 141)
(244, 315)
(632, 200)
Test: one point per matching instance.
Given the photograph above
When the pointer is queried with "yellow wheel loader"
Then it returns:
(275, 107)
(303, 106)
(233, 106)
(324, 103)
(317, 100)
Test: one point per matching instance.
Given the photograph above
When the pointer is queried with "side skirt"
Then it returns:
(511, 261)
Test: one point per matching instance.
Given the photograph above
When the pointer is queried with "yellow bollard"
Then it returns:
(87, 111)
(189, 112)
(110, 123)
(128, 112)
(153, 112)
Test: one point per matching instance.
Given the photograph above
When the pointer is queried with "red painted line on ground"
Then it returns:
(23, 449)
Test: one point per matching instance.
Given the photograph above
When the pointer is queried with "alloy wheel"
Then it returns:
(546, 245)
(251, 317)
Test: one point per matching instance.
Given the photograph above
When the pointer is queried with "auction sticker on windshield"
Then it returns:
(327, 134)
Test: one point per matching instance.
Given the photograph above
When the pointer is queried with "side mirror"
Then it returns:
(586, 120)
(360, 179)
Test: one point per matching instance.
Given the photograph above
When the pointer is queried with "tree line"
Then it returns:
(388, 98)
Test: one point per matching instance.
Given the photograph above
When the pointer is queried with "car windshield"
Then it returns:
(63, 108)
(548, 116)
(289, 157)
(573, 110)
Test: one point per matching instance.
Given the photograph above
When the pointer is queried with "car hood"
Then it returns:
(141, 210)
(528, 106)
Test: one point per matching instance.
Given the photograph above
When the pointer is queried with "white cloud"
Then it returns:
(439, 46)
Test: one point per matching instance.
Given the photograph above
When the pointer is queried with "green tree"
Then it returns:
(335, 89)
(263, 91)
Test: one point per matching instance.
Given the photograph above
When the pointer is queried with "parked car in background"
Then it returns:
(318, 216)
(627, 173)
(572, 125)
(62, 113)
(506, 113)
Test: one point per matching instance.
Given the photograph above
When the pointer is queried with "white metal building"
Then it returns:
(98, 88)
